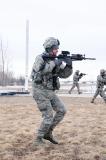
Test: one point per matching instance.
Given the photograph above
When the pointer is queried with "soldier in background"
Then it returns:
(77, 76)
(45, 80)
(101, 81)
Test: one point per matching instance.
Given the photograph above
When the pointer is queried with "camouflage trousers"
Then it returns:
(101, 92)
(48, 102)
(73, 86)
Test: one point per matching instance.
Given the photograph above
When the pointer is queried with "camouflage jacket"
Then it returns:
(43, 74)
(76, 78)
(101, 81)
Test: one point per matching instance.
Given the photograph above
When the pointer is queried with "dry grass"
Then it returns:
(82, 133)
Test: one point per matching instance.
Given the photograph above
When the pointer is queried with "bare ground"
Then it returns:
(82, 133)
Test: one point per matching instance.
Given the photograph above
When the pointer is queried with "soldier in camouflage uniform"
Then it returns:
(76, 79)
(45, 80)
(101, 81)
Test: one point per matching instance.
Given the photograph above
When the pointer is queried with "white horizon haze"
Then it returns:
(80, 26)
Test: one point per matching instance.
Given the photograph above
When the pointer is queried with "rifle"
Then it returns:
(66, 57)
(74, 57)
(82, 74)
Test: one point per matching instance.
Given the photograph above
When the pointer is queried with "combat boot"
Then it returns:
(80, 92)
(92, 101)
(37, 143)
(69, 92)
(50, 138)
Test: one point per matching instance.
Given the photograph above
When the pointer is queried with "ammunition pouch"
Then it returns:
(37, 78)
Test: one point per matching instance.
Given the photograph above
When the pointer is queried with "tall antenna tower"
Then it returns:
(27, 55)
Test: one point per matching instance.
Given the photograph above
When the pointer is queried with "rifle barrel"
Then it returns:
(91, 58)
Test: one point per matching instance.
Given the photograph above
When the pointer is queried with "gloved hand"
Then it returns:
(58, 62)
(68, 61)
(62, 66)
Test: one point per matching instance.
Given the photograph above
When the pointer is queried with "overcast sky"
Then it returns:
(80, 25)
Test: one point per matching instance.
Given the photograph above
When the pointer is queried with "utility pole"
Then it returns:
(27, 55)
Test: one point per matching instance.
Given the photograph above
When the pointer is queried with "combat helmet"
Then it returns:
(77, 71)
(51, 43)
(102, 71)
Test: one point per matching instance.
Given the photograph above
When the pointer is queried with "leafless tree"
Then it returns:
(3, 51)
(6, 75)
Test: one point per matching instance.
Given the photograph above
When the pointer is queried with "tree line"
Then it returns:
(6, 75)
(9, 79)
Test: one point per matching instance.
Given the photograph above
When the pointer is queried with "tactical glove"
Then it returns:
(58, 62)
(63, 65)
